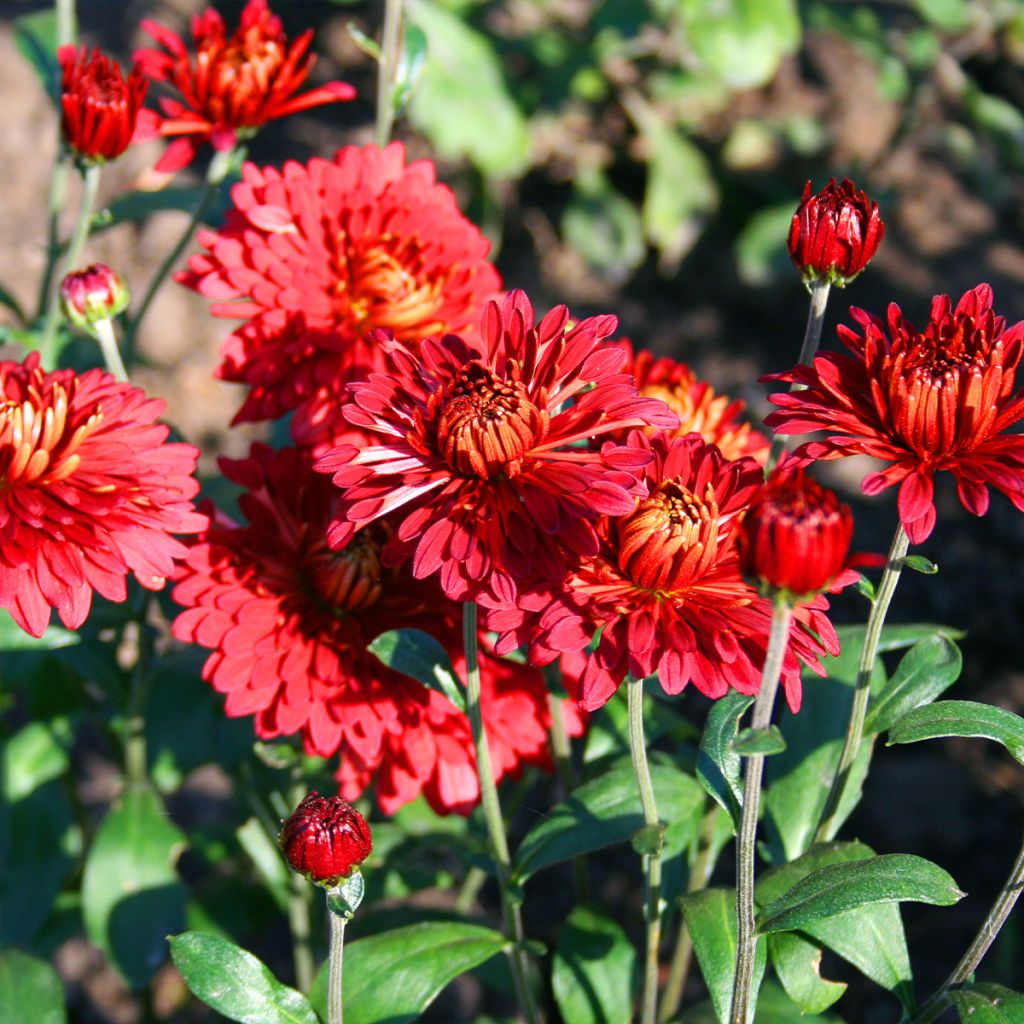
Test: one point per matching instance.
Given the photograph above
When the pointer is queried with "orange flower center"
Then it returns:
(486, 425)
(670, 539)
(251, 63)
(348, 580)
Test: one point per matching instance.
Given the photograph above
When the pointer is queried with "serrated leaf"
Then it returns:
(131, 896)
(890, 878)
(961, 718)
(14, 638)
(35, 755)
(594, 969)
(797, 964)
(606, 810)
(765, 742)
(711, 921)
(396, 975)
(31, 991)
(235, 983)
(418, 655)
(987, 1003)
(35, 35)
(719, 767)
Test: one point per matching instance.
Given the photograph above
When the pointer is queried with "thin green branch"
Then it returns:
(391, 44)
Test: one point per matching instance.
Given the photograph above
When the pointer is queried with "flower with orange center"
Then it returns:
(89, 492)
(923, 401)
(315, 258)
(288, 621)
(482, 448)
(235, 84)
(665, 589)
(717, 418)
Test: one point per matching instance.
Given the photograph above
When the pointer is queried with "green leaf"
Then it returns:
(987, 1003)
(797, 964)
(131, 896)
(267, 859)
(741, 42)
(410, 66)
(14, 638)
(870, 937)
(394, 976)
(760, 250)
(719, 767)
(30, 990)
(711, 920)
(606, 810)
(235, 983)
(948, 15)
(961, 718)
(890, 878)
(925, 672)
(594, 969)
(604, 227)
(462, 103)
(35, 35)
(920, 564)
(759, 741)
(35, 755)
(418, 655)
(134, 206)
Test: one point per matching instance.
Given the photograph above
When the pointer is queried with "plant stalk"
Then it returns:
(335, 1008)
(108, 346)
(492, 814)
(812, 339)
(651, 861)
(390, 45)
(746, 847)
(862, 688)
(135, 755)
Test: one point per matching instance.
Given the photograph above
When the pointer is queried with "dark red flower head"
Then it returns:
(96, 293)
(325, 838)
(89, 492)
(480, 447)
(923, 401)
(834, 233)
(100, 108)
(795, 536)
(235, 84)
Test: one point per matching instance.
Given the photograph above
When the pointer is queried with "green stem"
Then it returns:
(700, 875)
(108, 346)
(561, 751)
(862, 688)
(67, 22)
(391, 42)
(135, 756)
(969, 962)
(335, 1009)
(492, 814)
(653, 840)
(471, 886)
(812, 339)
(90, 186)
(746, 846)
(55, 203)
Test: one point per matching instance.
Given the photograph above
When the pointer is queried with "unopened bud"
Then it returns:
(94, 294)
(325, 839)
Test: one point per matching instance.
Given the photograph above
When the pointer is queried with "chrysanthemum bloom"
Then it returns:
(795, 537)
(91, 492)
(478, 447)
(923, 401)
(834, 233)
(325, 838)
(316, 257)
(288, 622)
(96, 293)
(717, 418)
(235, 84)
(100, 108)
(665, 589)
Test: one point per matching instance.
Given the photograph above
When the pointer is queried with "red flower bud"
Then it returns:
(795, 536)
(96, 293)
(325, 838)
(100, 107)
(835, 233)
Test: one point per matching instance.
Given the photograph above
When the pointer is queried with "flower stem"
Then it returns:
(108, 346)
(862, 688)
(990, 928)
(812, 339)
(746, 847)
(492, 814)
(700, 875)
(135, 756)
(335, 1010)
(390, 45)
(90, 185)
(67, 22)
(651, 861)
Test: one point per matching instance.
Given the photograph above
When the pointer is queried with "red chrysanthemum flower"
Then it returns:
(89, 492)
(100, 108)
(924, 401)
(480, 447)
(235, 84)
(318, 256)
(325, 838)
(665, 589)
(835, 233)
(288, 621)
(717, 418)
